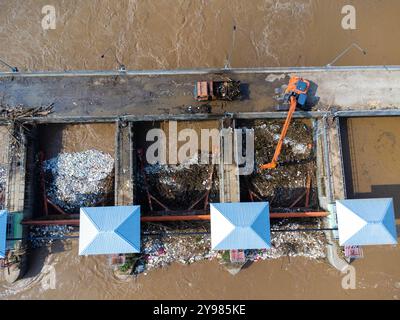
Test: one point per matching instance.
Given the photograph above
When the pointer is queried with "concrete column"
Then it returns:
(228, 168)
(124, 164)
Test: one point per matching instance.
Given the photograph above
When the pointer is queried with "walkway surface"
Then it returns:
(152, 93)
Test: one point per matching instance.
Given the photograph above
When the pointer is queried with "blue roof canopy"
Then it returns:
(240, 225)
(3, 233)
(109, 230)
(366, 221)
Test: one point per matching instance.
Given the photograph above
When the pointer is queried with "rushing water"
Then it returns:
(183, 34)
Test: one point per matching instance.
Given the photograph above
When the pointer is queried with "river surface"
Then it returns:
(183, 34)
(169, 34)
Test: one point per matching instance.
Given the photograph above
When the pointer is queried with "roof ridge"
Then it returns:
(116, 231)
(387, 232)
(127, 217)
(388, 204)
(258, 236)
(90, 218)
(83, 250)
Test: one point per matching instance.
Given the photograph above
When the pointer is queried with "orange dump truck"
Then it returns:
(217, 90)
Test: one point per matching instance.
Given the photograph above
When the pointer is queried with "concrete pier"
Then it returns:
(145, 95)
(123, 165)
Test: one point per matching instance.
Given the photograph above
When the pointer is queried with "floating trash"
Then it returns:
(309, 244)
(161, 251)
(80, 179)
(46, 235)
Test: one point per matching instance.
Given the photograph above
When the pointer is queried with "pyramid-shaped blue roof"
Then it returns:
(3, 233)
(366, 221)
(109, 230)
(240, 225)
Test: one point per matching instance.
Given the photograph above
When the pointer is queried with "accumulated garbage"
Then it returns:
(80, 179)
(180, 186)
(283, 185)
(3, 181)
(45, 235)
(309, 244)
(21, 111)
(160, 251)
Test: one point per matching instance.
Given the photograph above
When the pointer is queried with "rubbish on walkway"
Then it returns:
(3, 180)
(20, 111)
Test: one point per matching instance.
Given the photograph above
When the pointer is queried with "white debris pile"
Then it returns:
(161, 251)
(46, 235)
(80, 179)
(310, 244)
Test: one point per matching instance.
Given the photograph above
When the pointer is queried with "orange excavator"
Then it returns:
(295, 95)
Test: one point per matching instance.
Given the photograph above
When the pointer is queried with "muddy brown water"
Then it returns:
(184, 34)
(373, 158)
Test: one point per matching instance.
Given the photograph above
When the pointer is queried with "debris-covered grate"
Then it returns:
(80, 179)
(293, 181)
(184, 186)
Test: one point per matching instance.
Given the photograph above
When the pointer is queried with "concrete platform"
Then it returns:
(146, 95)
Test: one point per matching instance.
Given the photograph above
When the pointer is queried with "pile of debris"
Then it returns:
(283, 185)
(20, 111)
(309, 244)
(161, 251)
(45, 235)
(3, 181)
(228, 90)
(80, 179)
(180, 186)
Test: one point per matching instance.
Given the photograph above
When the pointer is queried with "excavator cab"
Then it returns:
(297, 87)
(294, 95)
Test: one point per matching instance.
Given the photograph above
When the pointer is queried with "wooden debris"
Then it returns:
(17, 112)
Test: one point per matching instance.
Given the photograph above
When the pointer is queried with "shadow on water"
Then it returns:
(51, 139)
(244, 91)
(38, 257)
(377, 191)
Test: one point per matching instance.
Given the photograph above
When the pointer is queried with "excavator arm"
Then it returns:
(274, 162)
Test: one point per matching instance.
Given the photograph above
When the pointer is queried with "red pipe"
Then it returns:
(273, 215)
(175, 218)
(311, 214)
(68, 222)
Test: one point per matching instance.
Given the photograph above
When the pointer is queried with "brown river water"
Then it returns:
(186, 34)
